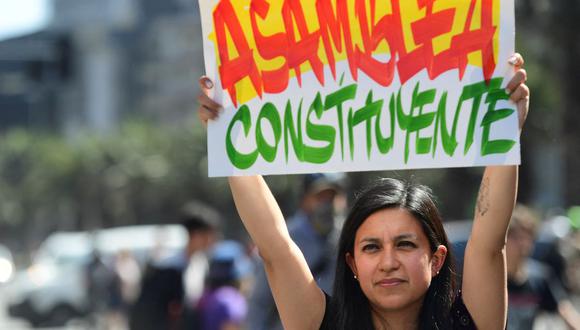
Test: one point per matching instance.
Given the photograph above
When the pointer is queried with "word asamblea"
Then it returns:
(333, 33)
(289, 129)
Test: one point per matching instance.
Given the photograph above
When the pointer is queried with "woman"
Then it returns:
(394, 270)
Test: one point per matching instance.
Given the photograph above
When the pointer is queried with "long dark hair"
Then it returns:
(349, 306)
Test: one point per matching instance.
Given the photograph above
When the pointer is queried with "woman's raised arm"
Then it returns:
(484, 273)
(288, 274)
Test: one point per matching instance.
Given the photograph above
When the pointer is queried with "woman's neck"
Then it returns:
(407, 318)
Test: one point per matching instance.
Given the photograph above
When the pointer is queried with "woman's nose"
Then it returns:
(389, 260)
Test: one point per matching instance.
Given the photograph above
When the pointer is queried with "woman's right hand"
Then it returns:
(208, 108)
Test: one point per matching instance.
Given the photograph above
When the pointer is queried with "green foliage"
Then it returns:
(143, 174)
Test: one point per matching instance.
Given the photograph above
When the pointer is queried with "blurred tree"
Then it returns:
(144, 174)
(549, 38)
(565, 24)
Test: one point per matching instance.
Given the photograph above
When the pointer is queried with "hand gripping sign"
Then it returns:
(351, 85)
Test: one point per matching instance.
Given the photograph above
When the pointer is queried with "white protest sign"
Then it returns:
(353, 85)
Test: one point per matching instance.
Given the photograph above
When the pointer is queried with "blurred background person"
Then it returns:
(128, 275)
(314, 229)
(223, 305)
(532, 286)
(572, 250)
(103, 290)
(172, 285)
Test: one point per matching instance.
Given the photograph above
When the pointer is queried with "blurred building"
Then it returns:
(33, 69)
(99, 61)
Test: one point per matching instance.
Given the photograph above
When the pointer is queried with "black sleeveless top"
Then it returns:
(460, 317)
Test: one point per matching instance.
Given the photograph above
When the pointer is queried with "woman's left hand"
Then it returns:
(517, 88)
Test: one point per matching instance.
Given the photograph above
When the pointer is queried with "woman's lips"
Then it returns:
(390, 282)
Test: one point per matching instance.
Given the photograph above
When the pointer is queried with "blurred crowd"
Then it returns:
(218, 284)
(205, 281)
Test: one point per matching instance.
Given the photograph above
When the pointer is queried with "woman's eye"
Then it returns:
(407, 244)
(370, 247)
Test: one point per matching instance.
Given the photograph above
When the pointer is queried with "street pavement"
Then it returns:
(8, 323)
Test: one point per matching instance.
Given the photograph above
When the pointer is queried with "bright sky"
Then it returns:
(22, 16)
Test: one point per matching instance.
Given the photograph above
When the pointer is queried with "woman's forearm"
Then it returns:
(260, 214)
(495, 203)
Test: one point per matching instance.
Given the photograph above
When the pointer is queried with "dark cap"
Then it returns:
(197, 216)
(317, 182)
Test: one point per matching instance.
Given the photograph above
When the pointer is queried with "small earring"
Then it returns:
(356, 278)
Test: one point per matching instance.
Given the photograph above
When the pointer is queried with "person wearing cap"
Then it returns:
(173, 284)
(314, 228)
(222, 305)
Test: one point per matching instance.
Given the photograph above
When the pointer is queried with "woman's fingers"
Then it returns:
(208, 108)
(518, 79)
(521, 96)
(516, 60)
(205, 82)
(521, 92)
(523, 109)
(208, 103)
(206, 114)
(517, 88)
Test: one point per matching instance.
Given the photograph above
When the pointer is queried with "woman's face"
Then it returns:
(393, 261)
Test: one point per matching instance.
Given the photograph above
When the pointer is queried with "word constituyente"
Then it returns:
(288, 128)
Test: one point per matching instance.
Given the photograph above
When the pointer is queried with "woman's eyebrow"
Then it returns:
(406, 236)
(370, 240)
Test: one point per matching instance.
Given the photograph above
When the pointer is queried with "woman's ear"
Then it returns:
(438, 260)
(350, 262)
